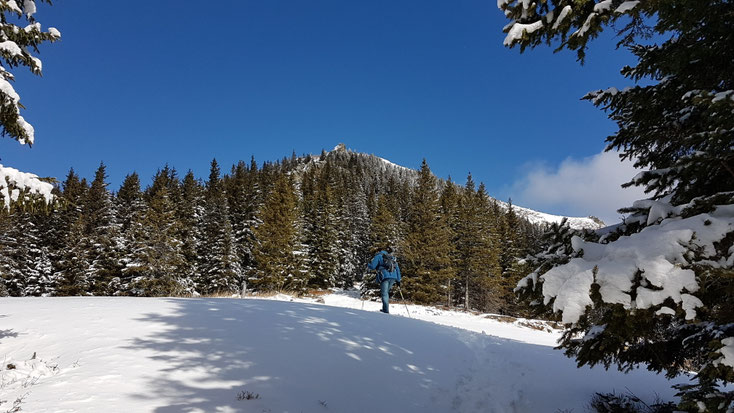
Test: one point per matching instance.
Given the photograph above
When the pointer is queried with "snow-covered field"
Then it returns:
(87, 354)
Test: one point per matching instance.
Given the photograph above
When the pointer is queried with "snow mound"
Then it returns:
(23, 374)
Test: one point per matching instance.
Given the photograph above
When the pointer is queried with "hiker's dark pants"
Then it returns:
(385, 286)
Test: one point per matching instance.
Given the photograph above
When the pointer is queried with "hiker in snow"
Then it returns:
(388, 273)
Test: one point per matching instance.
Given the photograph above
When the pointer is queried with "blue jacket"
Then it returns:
(383, 273)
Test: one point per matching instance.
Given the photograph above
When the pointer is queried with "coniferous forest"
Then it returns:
(299, 224)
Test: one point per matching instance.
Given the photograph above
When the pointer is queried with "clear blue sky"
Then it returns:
(141, 84)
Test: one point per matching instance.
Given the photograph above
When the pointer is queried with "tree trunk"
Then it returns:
(466, 294)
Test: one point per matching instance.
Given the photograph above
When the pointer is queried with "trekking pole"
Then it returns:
(403, 298)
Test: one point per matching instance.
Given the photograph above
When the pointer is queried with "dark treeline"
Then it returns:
(297, 224)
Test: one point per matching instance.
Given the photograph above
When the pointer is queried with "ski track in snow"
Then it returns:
(107, 354)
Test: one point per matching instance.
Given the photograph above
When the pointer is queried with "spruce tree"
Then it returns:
(25, 266)
(354, 233)
(277, 264)
(154, 269)
(72, 197)
(510, 232)
(190, 213)
(74, 261)
(254, 199)
(426, 249)
(240, 191)
(478, 252)
(677, 124)
(494, 292)
(129, 200)
(220, 271)
(384, 227)
(71, 263)
(130, 208)
(321, 228)
(450, 210)
(43, 215)
(102, 231)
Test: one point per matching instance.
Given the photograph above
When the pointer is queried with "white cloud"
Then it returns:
(590, 186)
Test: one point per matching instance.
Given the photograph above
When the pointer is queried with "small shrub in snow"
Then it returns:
(16, 404)
(247, 395)
(628, 403)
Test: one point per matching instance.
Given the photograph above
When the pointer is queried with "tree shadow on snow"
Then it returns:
(295, 357)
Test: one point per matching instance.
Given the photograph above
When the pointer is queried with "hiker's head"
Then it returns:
(389, 249)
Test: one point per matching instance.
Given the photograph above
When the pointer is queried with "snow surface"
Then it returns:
(540, 333)
(114, 354)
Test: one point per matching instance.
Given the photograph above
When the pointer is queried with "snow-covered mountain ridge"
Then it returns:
(535, 217)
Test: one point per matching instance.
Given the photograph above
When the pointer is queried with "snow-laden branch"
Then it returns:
(660, 255)
(571, 21)
(14, 182)
(15, 45)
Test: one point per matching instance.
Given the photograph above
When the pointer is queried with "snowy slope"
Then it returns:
(537, 217)
(199, 355)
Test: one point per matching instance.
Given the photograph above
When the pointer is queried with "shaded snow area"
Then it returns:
(95, 354)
